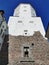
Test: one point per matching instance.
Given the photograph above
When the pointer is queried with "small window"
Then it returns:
(25, 33)
(3, 26)
(19, 21)
(31, 22)
(32, 44)
(26, 51)
(25, 30)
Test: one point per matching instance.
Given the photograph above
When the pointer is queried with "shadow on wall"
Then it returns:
(4, 51)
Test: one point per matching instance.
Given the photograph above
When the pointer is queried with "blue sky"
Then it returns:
(41, 7)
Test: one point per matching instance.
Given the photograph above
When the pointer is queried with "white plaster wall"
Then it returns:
(24, 10)
(16, 28)
(24, 18)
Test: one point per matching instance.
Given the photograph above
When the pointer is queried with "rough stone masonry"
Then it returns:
(36, 45)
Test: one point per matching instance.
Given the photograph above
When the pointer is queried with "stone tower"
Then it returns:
(27, 42)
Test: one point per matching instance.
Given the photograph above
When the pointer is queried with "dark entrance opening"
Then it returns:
(26, 51)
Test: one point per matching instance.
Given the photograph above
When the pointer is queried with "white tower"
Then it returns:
(25, 22)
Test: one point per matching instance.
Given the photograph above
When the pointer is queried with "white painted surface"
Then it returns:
(24, 9)
(25, 21)
(16, 28)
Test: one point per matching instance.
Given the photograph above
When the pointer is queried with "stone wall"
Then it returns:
(39, 50)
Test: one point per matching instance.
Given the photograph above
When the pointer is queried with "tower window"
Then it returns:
(19, 21)
(31, 21)
(26, 51)
(25, 30)
(25, 33)
(3, 26)
(32, 44)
